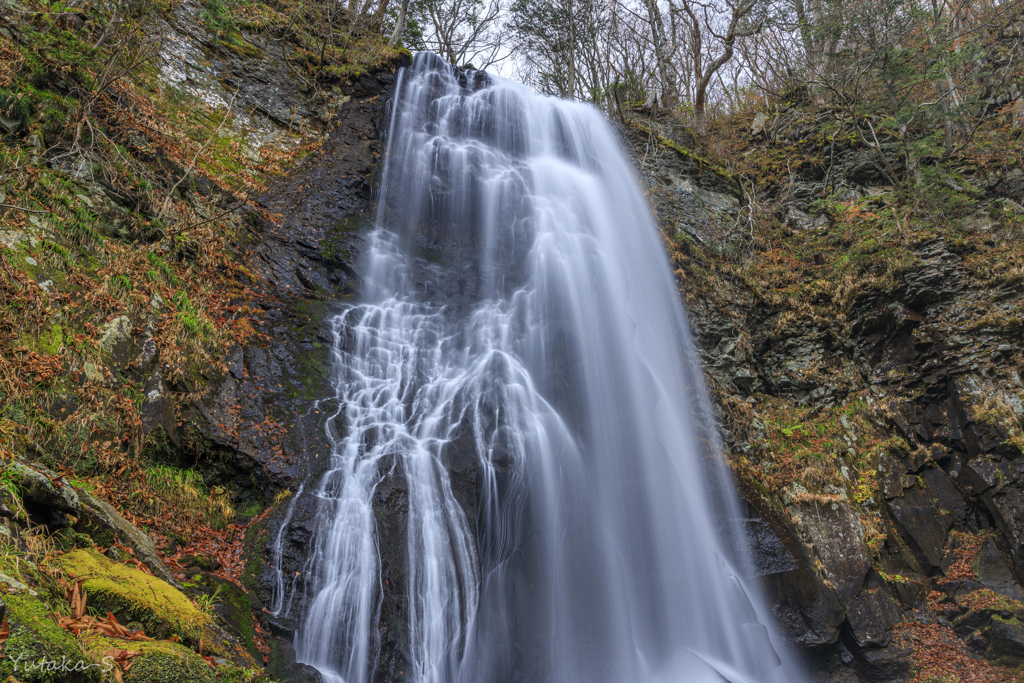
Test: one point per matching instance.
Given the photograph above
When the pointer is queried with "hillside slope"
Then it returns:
(862, 340)
(173, 232)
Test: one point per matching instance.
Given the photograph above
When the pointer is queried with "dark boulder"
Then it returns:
(994, 573)
(157, 410)
(1001, 488)
(947, 496)
(887, 663)
(302, 673)
(890, 476)
(838, 540)
(1006, 640)
(872, 615)
(805, 605)
(922, 525)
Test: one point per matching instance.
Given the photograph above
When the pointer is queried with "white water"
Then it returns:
(553, 334)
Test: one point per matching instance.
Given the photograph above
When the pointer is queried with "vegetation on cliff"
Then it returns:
(133, 163)
(849, 245)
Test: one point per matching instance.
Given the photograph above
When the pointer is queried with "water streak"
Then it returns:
(278, 605)
(522, 328)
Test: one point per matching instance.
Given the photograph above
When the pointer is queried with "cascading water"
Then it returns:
(520, 312)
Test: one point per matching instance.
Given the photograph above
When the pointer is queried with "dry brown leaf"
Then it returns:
(5, 631)
(77, 599)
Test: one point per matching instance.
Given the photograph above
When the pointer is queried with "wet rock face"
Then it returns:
(805, 606)
(994, 572)
(438, 229)
(266, 416)
(922, 525)
(689, 194)
(906, 346)
(391, 504)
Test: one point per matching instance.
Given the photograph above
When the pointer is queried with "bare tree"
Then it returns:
(702, 23)
(461, 31)
(669, 94)
(559, 45)
(403, 12)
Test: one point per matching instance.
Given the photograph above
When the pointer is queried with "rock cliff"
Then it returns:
(865, 357)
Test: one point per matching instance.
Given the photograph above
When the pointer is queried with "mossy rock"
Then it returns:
(207, 564)
(48, 342)
(164, 662)
(233, 674)
(1006, 637)
(37, 649)
(232, 611)
(135, 596)
(66, 540)
(160, 661)
(26, 573)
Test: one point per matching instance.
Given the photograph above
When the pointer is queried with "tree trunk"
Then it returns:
(669, 91)
(700, 100)
(805, 29)
(728, 46)
(400, 25)
(572, 53)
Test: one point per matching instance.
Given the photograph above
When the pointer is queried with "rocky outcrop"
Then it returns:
(41, 487)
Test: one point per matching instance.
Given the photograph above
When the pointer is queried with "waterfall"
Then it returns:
(521, 330)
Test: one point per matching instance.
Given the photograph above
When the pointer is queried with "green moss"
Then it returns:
(163, 662)
(133, 595)
(50, 339)
(157, 661)
(233, 674)
(1001, 653)
(701, 162)
(281, 656)
(37, 649)
(101, 536)
(67, 540)
(255, 538)
(331, 246)
(48, 589)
